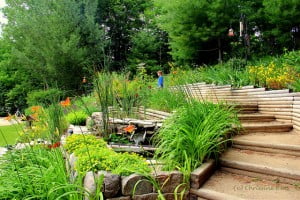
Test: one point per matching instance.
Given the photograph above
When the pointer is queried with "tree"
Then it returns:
(53, 39)
(121, 19)
(192, 26)
(282, 16)
(48, 44)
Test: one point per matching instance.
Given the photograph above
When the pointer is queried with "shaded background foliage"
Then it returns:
(54, 44)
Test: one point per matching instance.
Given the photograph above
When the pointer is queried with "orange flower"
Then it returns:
(129, 128)
(35, 108)
(9, 117)
(34, 116)
(55, 145)
(66, 102)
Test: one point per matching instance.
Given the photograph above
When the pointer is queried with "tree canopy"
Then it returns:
(54, 44)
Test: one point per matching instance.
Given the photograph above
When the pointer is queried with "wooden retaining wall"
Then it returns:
(282, 104)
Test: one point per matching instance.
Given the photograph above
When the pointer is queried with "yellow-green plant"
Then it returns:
(93, 155)
(272, 75)
(80, 141)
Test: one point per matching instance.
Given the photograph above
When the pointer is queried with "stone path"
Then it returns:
(4, 122)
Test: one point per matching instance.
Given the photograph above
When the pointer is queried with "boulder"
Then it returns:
(130, 182)
(110, 186)
(169, 181)
(151, 196)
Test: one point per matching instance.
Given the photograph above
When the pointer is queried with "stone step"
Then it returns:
(246, 108)
(269, 127)
(284, 143)
(256, 117)
(228, 186)
(280, 165)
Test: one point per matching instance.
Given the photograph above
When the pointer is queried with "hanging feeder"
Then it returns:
(84, 80)
(230, 32)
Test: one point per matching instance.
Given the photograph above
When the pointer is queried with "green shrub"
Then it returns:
(93, 155)
(77, 118)
(194, 133)
(96, 159)
(78, 141)
(44, 97)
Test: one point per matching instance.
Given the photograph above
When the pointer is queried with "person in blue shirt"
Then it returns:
(160, 81)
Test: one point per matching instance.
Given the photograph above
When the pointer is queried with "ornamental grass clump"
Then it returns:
(193, 134)
(37, 172)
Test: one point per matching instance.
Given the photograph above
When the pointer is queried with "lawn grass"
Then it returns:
(10, 133)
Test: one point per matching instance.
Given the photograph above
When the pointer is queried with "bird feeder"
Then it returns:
(230, 32)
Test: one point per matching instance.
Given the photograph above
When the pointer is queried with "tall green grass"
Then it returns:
(194, 133)
(104, 93)
(165, 99)
(224, 75)
(36, 173)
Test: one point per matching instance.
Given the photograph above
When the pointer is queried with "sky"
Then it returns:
(2, 4)
(2, 19)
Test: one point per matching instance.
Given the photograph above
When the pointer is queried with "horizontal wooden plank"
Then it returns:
(296, 127)
(276, 106)
(247, 87)
(296, 110)
(248, 90)
(283, 117)
(296, 119)
(267, 92)
(290, 114)
(285, 120)
(296, 123)
(296, 102)
(296, 107)
(276, 109)
(296, 115)
(297, 99)
(274, 102)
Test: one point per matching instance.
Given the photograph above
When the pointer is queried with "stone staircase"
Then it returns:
(263, 162)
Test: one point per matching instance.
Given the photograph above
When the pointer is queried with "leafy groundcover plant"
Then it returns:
(93, 155)
(194, 133)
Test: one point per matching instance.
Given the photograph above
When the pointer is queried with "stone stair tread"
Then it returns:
(266, 163)
(254, 115)
(265, 124)
(224, 185)
(286, 140)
